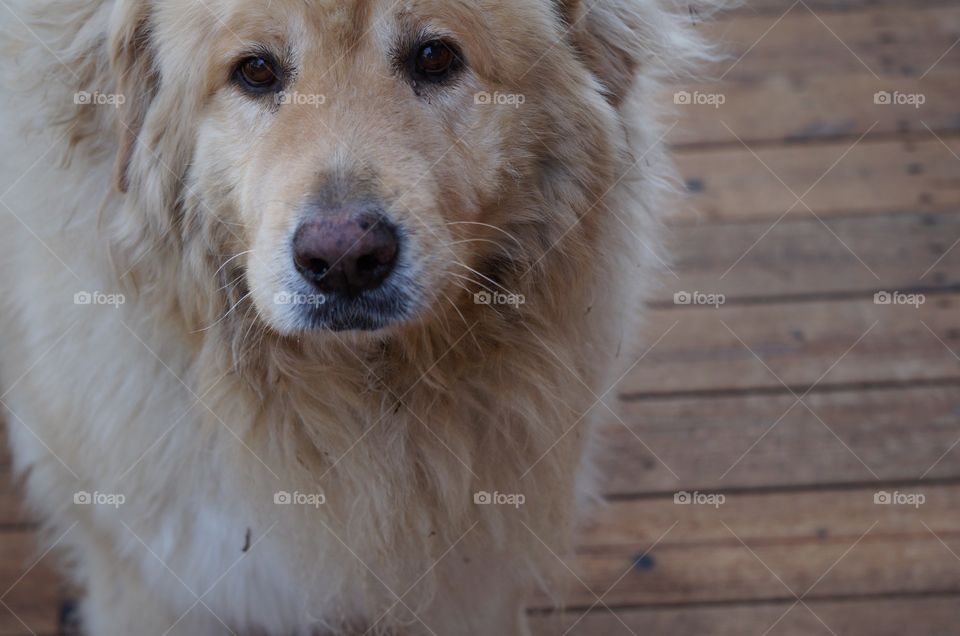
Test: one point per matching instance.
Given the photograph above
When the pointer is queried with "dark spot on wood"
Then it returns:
(246, 541)
(696, 185)
(925, 198)
(915, 168)
(822, 533)
(952, 334)
(68, 619)
(644, 562)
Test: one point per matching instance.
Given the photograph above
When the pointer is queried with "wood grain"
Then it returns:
(764, 441)
(799, 344)
(770, 547)
(843, 178)
(858, 617)
(804, 257)
(30, 596)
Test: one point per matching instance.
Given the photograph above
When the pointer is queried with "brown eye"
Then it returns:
(258, 74)
(435, 59)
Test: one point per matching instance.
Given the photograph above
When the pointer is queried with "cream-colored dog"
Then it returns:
(307, 305)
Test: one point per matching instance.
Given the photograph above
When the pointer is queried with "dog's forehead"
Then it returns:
(365, 16)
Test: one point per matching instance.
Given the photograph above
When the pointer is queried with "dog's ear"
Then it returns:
(137, 79)
(611, 37)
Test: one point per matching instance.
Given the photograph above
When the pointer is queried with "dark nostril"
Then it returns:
(368, 263)
(316, 266)
(346, 255)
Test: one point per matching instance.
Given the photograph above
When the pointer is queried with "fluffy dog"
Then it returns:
(308, 305)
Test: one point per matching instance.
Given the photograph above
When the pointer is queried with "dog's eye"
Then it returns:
(258, 75)
(436, 60)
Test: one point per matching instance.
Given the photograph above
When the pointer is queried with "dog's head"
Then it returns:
(354, 164)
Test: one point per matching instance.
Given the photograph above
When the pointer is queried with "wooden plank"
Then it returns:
(822, 517)
(11, 511)
(770, 547)
(825, 7)
(32, 597)
(896, 565)
(870, 177)
(802, 108)
(790, 78)
(737, 441)
(830, 343)
(892, 42)
(802, 256)
(870, 617)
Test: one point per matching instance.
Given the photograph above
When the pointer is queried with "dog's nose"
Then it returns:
(346, 255)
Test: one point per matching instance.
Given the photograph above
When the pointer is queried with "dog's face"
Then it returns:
(366, 159)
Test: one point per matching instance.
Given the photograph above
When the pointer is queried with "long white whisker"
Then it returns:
(479, 240)
(226, 262)
(493, 227)
(470, 280)
(486, 278)
(229, 311)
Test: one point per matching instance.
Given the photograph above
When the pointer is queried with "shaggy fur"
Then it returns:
(198, 398)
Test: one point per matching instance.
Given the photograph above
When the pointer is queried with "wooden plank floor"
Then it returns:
(799, 399)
